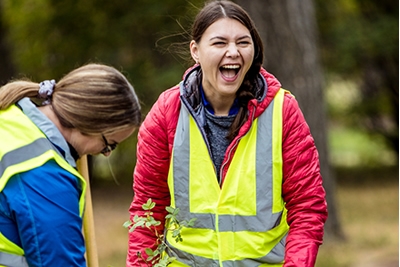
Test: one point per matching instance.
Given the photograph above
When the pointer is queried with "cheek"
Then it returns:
(86, 148)
(91, 146)
(210, 67)
(248, 55)
(210, 56)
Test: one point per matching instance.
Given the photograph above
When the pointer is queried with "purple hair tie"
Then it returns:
(46, 90)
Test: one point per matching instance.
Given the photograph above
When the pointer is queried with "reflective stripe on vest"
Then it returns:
(33, 150)
(23, 148)
(12, 260)
(244, 222)
(11, 254)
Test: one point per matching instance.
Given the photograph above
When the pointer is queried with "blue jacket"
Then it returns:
(39, 209)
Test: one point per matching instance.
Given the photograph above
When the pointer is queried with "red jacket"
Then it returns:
(302, 183)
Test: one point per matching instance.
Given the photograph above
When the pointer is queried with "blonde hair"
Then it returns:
(94, 99)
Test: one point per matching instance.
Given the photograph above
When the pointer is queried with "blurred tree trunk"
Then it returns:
(288, 29)
(7, 70)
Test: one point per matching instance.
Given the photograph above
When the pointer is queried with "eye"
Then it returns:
(244, 43)
(219, 43)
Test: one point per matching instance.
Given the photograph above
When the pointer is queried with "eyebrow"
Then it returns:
(223, 38)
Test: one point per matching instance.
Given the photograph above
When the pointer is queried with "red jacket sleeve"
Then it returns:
(302, 188)
(150, 175)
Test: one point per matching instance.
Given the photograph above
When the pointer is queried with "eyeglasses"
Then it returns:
(109, 147)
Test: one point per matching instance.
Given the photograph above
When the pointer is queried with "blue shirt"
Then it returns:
(39, 209)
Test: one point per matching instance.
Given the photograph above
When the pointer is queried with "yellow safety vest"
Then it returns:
(23, 148)
(244, 222)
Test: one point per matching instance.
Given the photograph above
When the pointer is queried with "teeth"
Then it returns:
(231, 66)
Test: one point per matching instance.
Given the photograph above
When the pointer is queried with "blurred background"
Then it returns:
(339, 58)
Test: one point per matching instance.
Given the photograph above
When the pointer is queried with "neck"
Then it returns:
(47, 110)
(221, 105)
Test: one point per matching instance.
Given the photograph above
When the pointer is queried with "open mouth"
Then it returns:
(229, 71)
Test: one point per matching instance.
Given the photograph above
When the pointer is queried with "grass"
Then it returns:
(368, 205)
(110, 208)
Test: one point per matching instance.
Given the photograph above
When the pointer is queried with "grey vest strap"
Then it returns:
(275, 255)
(11, 260)
(24, 153)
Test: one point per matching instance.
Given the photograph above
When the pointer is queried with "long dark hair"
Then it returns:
(213, 11)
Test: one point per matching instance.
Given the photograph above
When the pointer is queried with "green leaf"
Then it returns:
(136, 218)
(170, 209)
(149, 252)
(139, 223)
(176, 211)
(176, 232)
(149, 205)
(127, 224)
(191, 222)
(171, 259)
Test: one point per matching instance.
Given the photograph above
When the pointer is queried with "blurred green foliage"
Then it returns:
(51, 37)
(355, 31)
(360, 43)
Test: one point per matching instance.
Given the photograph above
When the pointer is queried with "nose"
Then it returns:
(232, 51)
(107, 154)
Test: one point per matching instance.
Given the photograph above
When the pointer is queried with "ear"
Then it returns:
(194, 51)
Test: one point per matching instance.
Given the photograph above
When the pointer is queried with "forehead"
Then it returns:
(226, 28)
